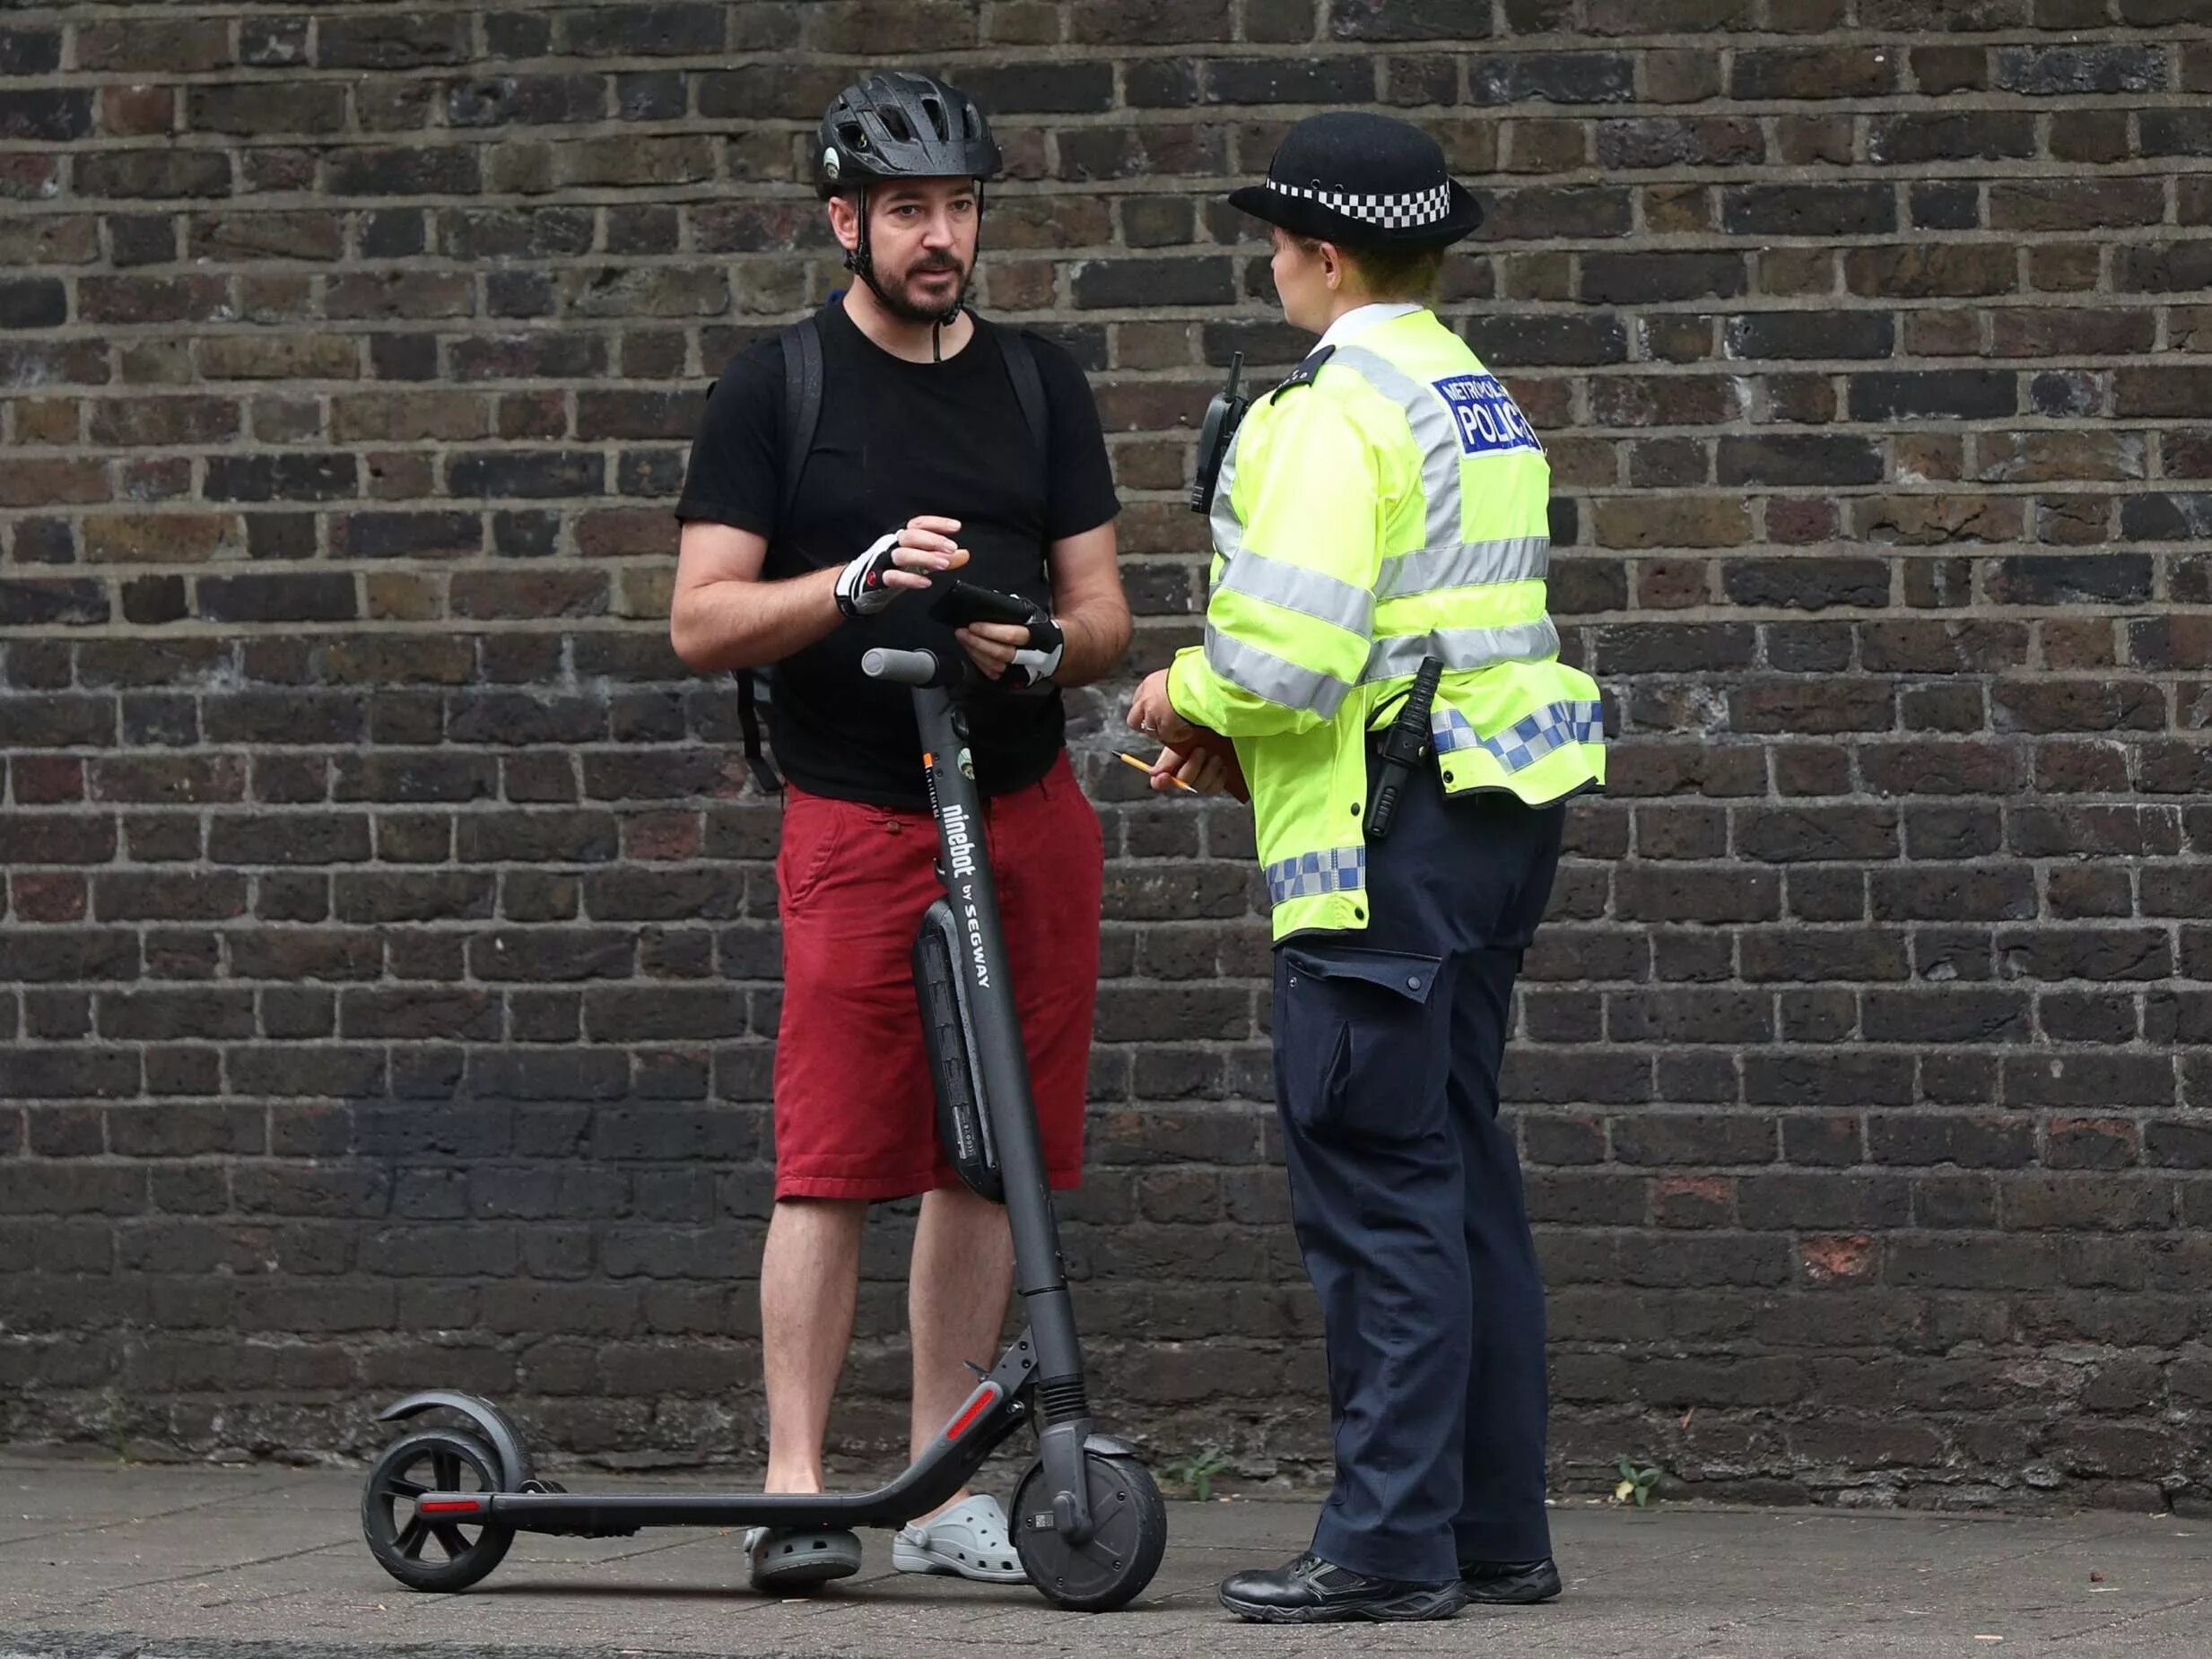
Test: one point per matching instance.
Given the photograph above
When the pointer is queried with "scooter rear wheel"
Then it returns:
(421, 1551)
(1124, 1551)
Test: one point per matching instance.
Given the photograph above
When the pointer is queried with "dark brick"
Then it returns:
(405, 41)
(1813, 73)
(497, 100)
(45, 115)
(1508, 341)
(424, 170)
(1958, 394)
(281, 478)
(1639, 279)
(2071, 206)
(1946, 206)
(1145, 282)
(1554, 77)
(1569, 211)
(29, 51)
(1798, 460)
(1807, 584)
(69, 602)
(2053, 71)
(1287, 81)
(1399, 20)
(272, 598)
(1811, 335)
(1674, 140)
(1986, 135)
(1807, 210)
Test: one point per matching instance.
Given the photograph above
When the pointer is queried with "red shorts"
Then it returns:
(856, 1114)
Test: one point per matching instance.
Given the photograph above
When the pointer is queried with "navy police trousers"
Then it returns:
(1406, 1192)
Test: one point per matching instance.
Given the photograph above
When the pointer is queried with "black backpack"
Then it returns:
(802, 413)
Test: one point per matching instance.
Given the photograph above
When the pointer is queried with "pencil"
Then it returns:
(1145, 766)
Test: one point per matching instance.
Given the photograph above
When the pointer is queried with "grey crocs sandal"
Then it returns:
(788, 1558)
(970, 1539)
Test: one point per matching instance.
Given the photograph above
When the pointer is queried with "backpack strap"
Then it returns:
(1028, 388)
(802, 413)
(802, 405)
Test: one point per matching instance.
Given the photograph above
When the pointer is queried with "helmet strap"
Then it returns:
(858, 259)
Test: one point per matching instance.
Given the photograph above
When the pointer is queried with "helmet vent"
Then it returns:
(855, 135)
(895, 119)
(935, 109)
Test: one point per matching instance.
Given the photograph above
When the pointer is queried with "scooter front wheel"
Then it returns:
(1125, 1547)
(426, 1552)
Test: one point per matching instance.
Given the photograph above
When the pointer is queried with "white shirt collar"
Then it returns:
(1361, 318)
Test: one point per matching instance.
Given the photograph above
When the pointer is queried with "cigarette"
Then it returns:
(1145, 766)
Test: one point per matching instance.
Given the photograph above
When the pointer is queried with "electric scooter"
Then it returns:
(442, 1504)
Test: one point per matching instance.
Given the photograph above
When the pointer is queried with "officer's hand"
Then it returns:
(1151, 713)
(991, 646)
(1204, 770)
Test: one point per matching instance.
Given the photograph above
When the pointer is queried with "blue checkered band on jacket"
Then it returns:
(1393, 213)
(1339, 870)
(1553, 726)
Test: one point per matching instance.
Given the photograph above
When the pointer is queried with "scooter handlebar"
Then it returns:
(902, 667)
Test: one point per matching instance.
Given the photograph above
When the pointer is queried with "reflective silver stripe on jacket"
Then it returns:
(1464, 564)
(1307, 592)
(1268, 676)
(1334, 870)
(1462, 649)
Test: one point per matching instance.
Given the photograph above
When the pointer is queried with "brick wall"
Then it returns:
(388, 970)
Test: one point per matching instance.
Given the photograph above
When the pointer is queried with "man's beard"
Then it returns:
(896, 302)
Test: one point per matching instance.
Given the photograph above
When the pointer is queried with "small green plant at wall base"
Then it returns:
(1195, 1474)
(1636, 1485)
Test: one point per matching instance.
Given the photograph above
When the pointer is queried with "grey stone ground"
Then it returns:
(267, 1563)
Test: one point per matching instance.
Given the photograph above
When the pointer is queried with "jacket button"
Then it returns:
(1412, 981)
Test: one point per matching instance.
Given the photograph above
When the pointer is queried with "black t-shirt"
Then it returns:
(896, 439)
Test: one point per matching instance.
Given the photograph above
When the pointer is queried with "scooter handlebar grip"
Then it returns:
(900, 667)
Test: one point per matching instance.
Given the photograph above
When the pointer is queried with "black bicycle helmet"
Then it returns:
(901, 125)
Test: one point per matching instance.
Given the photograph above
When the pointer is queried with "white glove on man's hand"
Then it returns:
(1040, 659)
(861, 590)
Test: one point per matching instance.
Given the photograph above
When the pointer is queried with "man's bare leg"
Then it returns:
(956, 1304)
(810, 1278)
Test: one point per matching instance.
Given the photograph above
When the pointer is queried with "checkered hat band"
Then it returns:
(1392, 212)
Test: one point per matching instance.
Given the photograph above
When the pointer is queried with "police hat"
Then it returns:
(1360, 179)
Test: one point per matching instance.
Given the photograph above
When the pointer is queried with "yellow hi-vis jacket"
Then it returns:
(1385, 503)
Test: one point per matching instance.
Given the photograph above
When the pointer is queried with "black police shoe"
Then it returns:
(1518, 1584)
(1309, 1589)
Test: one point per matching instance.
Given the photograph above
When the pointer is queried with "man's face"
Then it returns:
(922, 238)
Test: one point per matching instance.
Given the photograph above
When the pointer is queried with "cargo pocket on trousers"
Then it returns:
(1360, 1040)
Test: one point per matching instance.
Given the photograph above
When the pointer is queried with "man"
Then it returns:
(924, 460)
(1385, 509)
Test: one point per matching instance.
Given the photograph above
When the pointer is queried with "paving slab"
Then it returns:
(103, 1561)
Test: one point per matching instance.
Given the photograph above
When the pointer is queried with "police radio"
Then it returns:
(1214, 437)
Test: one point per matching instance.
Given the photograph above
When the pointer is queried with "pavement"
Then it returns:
(108, 1560)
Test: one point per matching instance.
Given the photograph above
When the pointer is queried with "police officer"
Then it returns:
(1377, 647)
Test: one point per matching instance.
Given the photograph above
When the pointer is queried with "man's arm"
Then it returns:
(724, 616)
(1093, 611)
(1087, 603)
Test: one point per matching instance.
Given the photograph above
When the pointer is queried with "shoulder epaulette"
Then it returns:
(1303, 374)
